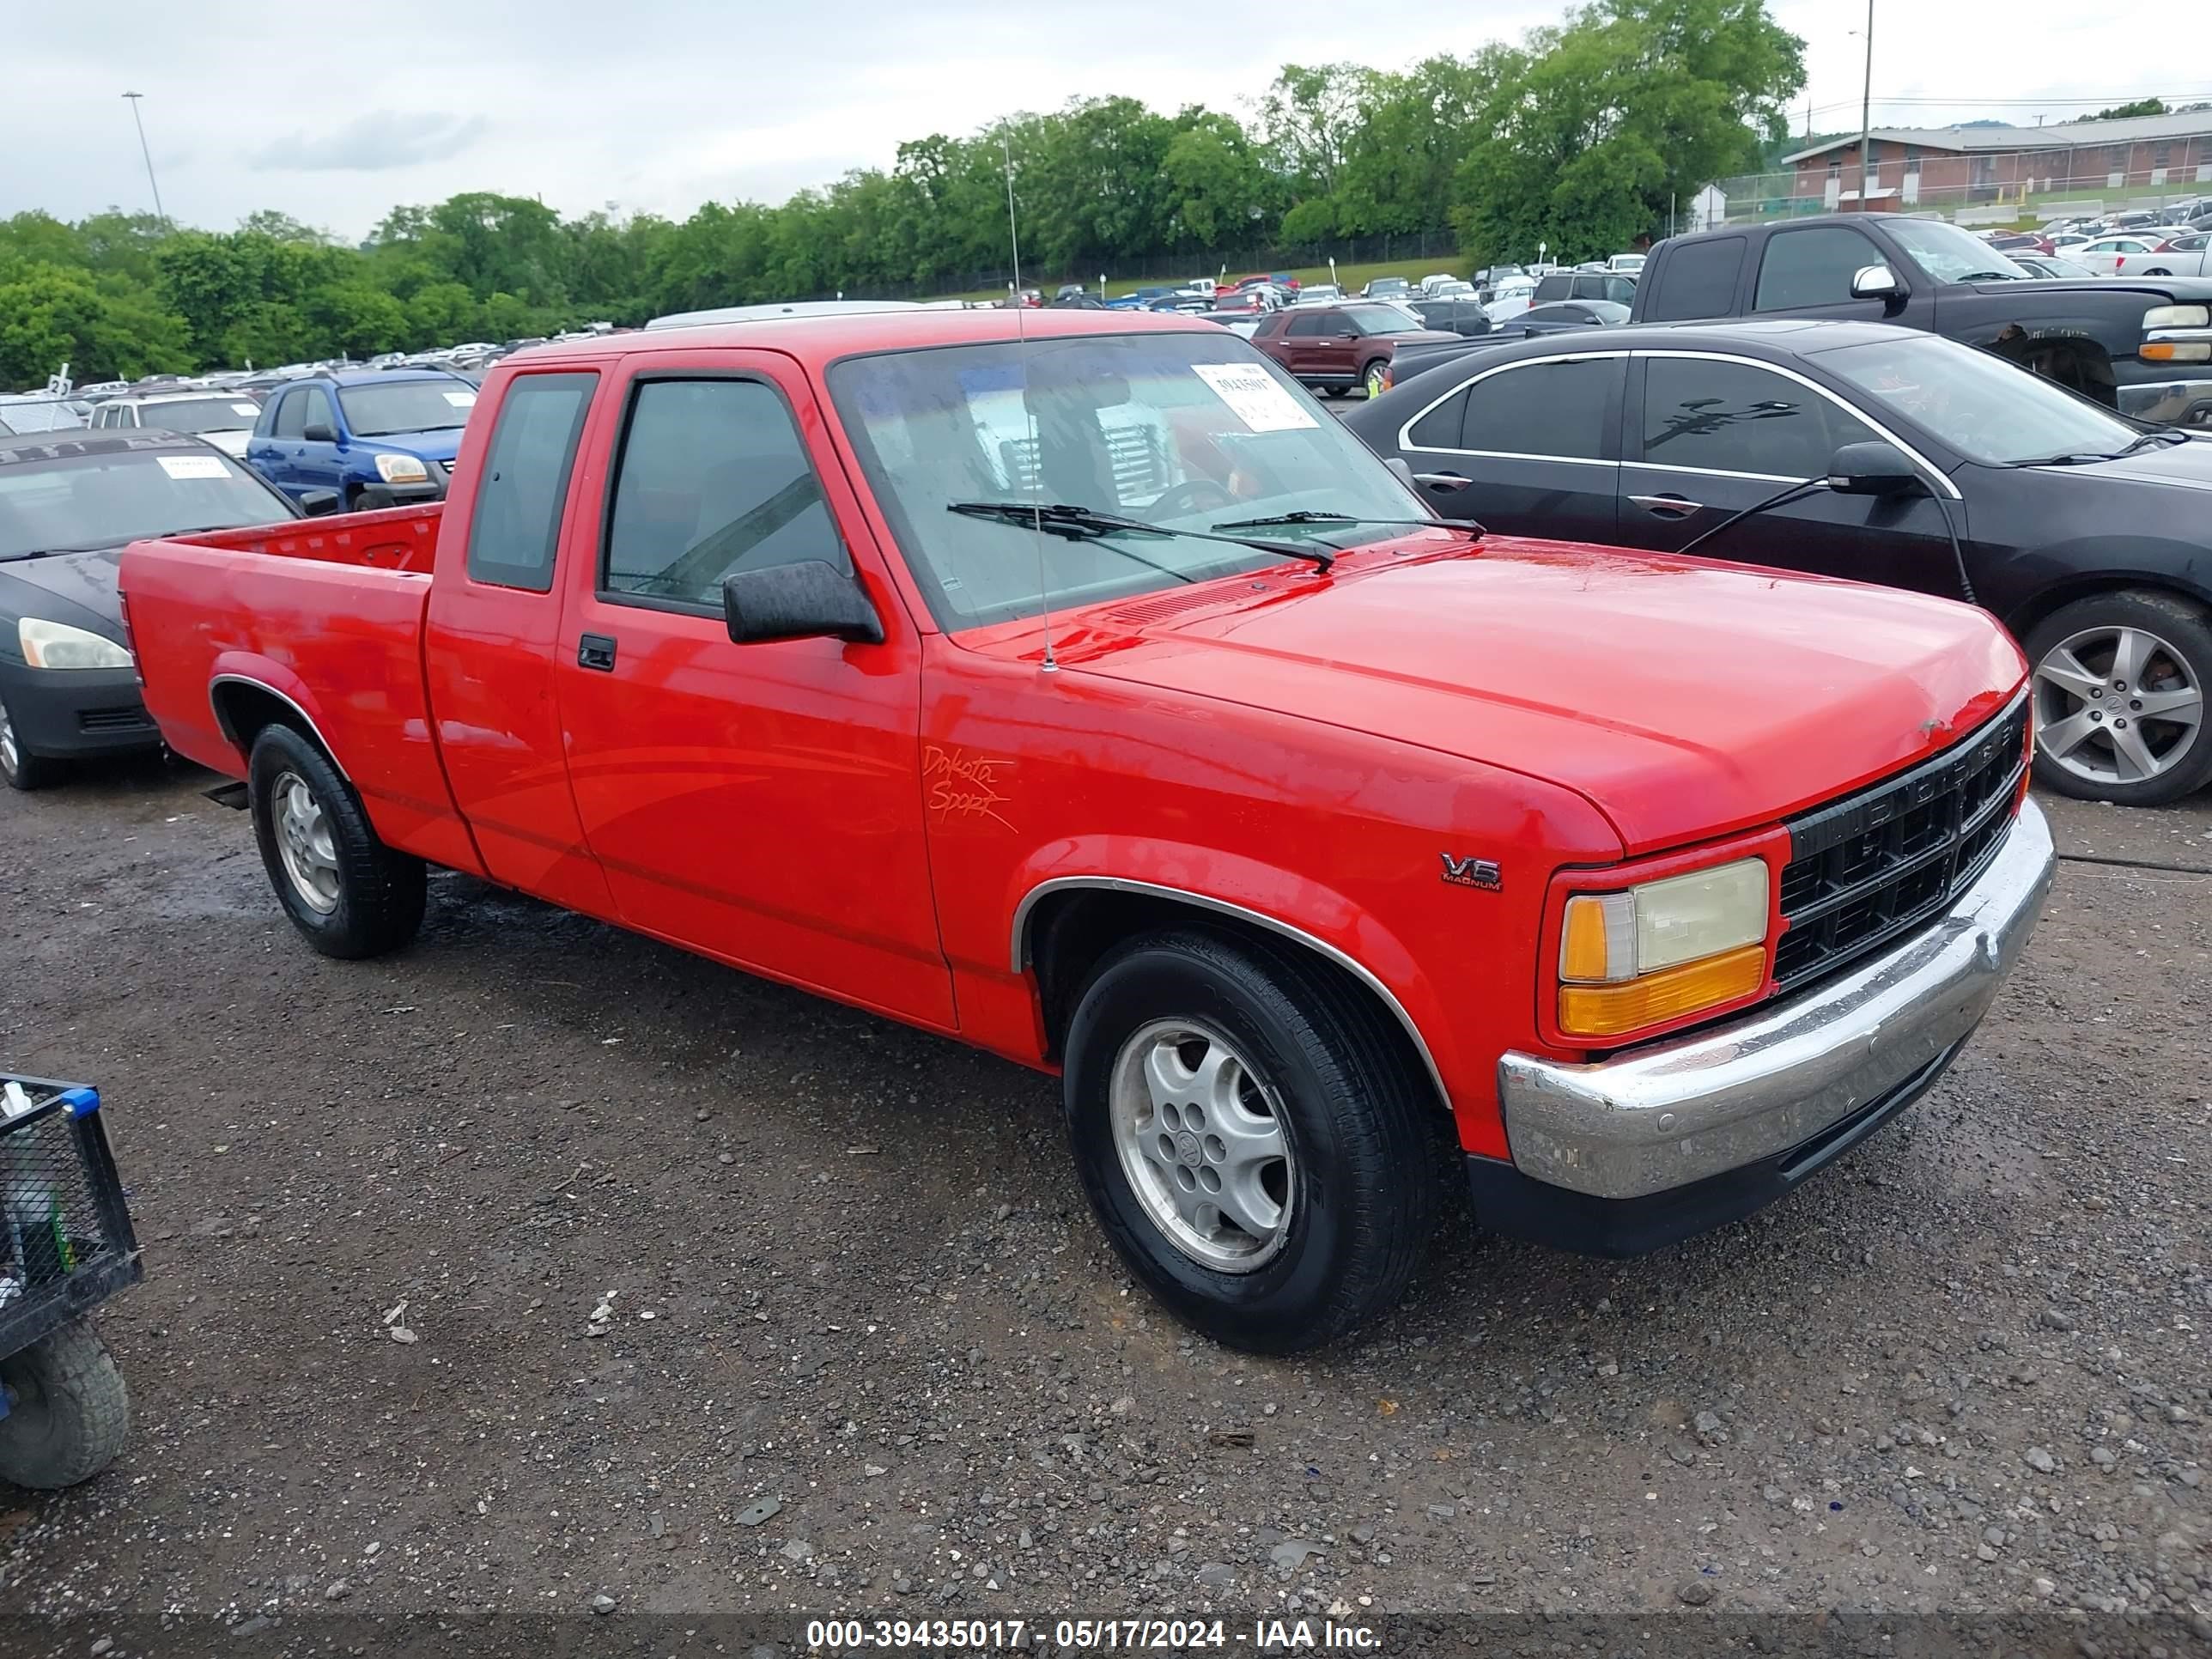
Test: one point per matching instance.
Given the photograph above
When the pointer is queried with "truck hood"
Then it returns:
(1683, 698)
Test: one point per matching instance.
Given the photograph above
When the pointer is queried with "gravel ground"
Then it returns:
(718, 1299)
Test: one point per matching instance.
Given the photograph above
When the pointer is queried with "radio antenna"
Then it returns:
(1051, 664)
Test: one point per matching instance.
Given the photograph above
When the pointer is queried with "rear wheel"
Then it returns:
(2120, 687)
(19, 767)
(351, 895)
(1251, 1134)
(68, 1412)
(1377, 379)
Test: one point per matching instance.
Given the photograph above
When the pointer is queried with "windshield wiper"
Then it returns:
(2164, 434)
(2076, 459)
(1307, 515)
(1081, 524)
(1986, 276)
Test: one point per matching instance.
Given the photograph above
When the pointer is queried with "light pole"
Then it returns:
(1866, 115)
(133, 98)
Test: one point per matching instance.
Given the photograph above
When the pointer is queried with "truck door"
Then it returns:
(494, 633)
(759, 803)
(1808, 271)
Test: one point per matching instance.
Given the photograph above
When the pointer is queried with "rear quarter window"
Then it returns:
(1696, 280)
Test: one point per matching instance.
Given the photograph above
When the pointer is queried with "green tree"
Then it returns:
(1219, 192)
(49, 316)
(2126, 111)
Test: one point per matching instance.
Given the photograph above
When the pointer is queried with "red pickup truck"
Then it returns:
(1073, 685)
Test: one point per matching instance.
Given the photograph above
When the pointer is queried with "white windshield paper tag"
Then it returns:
(461, 399)
(247, 409)
(1255, 395)
(192, 466)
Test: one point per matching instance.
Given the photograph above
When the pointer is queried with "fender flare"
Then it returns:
(275, 680)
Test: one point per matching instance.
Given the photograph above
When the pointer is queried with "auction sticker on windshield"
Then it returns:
(1257, 396)
(461, 399)
(192, 466)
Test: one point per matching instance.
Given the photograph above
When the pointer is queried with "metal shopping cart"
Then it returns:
(65, 1246)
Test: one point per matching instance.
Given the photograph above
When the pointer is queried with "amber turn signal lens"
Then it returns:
(1605, 1011)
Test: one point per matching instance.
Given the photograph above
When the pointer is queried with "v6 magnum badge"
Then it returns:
(1472, 872)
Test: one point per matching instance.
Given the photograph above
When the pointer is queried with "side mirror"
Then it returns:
(811, 599)
(1871, 469)
(1876, 282)
(317, 432)
(318, 503)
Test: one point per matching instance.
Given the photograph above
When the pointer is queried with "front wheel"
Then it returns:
(19, 767)
(2119, 683)
(68, 1410)
(1250, 1132)
(351, 895)
(1377, 378)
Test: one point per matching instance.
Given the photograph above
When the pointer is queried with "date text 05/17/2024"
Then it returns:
(1140, 1635)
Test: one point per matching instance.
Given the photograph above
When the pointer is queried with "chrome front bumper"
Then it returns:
(1757, 1086)
(2182, 402)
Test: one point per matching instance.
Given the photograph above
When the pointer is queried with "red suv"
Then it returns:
(1337, 348)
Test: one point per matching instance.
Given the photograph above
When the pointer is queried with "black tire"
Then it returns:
(19, 767)
(2160, 271)
(2179, 625)
(1355, 1109)
(377, 905)
(371, 498)
(68, 1412)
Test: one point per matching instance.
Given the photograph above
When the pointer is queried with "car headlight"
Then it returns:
(56, 645)
(2177, 317)
(402, 469)
(1661, 950)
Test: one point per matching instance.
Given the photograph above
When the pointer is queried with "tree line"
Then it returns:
(1580, 136)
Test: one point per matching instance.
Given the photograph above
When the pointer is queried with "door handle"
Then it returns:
(1443, 482)
(596, 651)
(1669, 507)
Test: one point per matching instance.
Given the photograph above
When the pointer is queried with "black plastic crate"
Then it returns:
(65, 1236)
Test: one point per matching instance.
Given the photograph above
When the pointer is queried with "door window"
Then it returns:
(526, 483)
(1737, 417)
(291, 420)
(1551, 409)
(712, 480)
(315, 406)
(1812, 267)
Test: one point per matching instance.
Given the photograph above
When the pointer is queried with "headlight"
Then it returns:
(1663, 948)
(2177, 317)
(56, 645)
(402, 469)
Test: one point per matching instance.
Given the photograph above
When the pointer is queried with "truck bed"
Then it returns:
(325, 615)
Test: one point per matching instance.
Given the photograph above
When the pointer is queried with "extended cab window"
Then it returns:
(1737, 417)
(1812, 267)
(518, 511)
(712, 479)
(1698, 280)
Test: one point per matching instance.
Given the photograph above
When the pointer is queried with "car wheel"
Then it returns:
(1377, 378)
(1253, 1135)
(19, 767)
(2119, 684)
(68, 1412)
(351, 895)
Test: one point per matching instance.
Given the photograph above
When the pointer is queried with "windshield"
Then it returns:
(374, 412)
(1980, 405)
(1182, 429)
(202, 415)
(105, 500)
(1388, 285)
(1950, 254)
(38, 415)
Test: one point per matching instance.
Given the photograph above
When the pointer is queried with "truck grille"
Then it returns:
(1869, 868)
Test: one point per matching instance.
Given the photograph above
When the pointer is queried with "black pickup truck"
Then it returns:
(2142, 346)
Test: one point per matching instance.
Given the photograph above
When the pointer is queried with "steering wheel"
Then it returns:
(1188, 497)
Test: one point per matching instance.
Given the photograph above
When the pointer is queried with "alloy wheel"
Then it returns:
(2116, 705)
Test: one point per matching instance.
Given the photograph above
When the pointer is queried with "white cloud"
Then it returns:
(661, 104)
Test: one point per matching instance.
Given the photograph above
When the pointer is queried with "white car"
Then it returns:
(1319, 293)
(2184, 253)
(1204, 285)
(2115, 256)
(1430, 285)
(224, 419)
(1629, 263)
(1514, 296)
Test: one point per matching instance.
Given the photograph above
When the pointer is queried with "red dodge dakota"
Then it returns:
(1072, 685)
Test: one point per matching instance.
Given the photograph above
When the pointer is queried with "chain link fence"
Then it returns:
(1978, 189)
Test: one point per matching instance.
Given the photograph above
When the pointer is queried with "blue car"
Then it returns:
(377, 437)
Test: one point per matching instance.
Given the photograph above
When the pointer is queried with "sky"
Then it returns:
(659, 104)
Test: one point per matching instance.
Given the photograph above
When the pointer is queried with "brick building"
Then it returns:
(1974, 165)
